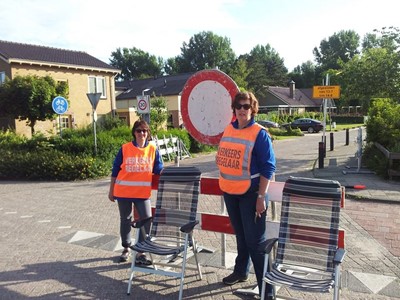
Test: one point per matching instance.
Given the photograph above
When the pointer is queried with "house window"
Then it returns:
(97, 85)
(2, 77)
(65, 122)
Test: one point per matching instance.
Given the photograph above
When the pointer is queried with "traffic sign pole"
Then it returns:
(94, 100)
(60, 106)
(59, 125)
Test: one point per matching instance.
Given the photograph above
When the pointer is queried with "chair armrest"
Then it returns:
(188, 228)
(339, 256)
(141, 223)
(268, 244)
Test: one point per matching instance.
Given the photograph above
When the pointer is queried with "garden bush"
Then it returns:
(70, 156)
(383, 127)
(52, 165)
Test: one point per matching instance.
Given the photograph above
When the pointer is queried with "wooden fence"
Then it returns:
(391, 156)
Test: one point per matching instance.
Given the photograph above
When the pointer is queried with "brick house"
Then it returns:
(83, 73)
(289, 100)
(169, 87)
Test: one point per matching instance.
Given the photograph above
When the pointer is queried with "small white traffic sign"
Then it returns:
(143, 106)
(60, 105)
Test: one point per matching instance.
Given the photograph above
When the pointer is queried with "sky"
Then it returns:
(292, 28)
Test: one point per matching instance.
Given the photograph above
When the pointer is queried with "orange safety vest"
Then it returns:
(134, 178)
(234, 157)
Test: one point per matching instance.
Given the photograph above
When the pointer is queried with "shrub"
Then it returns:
(375, 160)
(51, 164)
(70, 157)
(383, 125)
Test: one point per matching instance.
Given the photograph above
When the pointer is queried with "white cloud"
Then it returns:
(292, 28)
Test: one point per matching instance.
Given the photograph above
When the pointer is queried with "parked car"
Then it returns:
(305, 124)
(268, 124)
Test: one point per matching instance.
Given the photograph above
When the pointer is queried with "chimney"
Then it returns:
(292, 89)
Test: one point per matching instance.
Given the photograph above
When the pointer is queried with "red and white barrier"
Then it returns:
(221, 223)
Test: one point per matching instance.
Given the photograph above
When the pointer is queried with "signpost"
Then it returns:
(143, 106)
(325, 92)
(60, 106)
(94, 100)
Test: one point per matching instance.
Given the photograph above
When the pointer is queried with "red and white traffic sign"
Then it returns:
(206, 105)
(143, 104)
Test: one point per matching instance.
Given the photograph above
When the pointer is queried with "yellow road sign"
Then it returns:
(326, 91)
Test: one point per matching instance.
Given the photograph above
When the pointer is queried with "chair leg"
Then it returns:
(183, 270)
(337, 283)
(264, 271)
(131, 273)
(195, 257)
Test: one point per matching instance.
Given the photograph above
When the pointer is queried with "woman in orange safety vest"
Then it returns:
(131, 178)
(246, 163)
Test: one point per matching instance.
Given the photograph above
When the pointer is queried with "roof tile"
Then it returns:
(11, 50)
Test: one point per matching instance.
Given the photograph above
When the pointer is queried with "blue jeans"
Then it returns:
(250, 233)
(143, 208)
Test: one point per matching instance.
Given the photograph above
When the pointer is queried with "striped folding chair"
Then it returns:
(170, 241)
(307, 257)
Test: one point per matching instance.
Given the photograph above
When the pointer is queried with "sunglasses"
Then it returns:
(245, 106)
(141, 130)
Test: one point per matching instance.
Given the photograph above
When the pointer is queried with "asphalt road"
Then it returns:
(294, 156)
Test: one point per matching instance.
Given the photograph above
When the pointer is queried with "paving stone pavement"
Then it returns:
(60, 240)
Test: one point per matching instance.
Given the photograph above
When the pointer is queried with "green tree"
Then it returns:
(30, 98)
(136, 64)
(171, 66)
(158, 114)
(372, 40)
(239, 73)
(205, 50)
(305, 76)
(374, 74)
(341, 46)
(390, 37)
(266, 68)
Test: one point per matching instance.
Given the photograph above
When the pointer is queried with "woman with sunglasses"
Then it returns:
(131, 179)
(246, 162)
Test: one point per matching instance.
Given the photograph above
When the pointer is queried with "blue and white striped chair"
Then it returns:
(171, 235)
(307, 257)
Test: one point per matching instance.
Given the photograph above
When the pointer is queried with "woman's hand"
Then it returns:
(111, 196)
(260, 206)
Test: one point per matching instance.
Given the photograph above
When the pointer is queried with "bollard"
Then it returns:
(331, 141)
(324, 141)
(321, 147)
(347, 136)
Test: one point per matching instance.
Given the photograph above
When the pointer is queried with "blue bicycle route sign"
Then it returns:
(60, 105)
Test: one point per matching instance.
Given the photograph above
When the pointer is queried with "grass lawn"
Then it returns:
(343, 126)
(277, 136)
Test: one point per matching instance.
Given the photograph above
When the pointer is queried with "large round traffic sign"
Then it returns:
(206, 105)
(60, 105)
